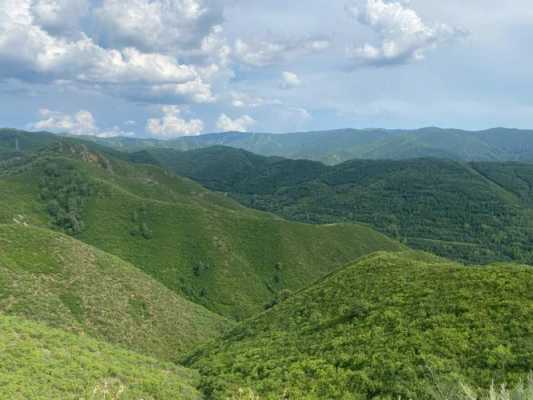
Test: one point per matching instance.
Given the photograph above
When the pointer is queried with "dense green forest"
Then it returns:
(474, 212)
(121, 280)
(388, 326)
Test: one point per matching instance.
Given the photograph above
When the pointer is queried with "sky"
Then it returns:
(171, 68)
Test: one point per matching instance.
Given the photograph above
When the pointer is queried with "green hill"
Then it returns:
(52, 278)
(474, 212)
(329, 147)
(197, 243)
(333, 147)
(14, 142)
(388, 325)
(41, 363)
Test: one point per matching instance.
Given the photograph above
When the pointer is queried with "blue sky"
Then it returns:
(169, 68)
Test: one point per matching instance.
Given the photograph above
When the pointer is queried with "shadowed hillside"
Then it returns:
(476, 212)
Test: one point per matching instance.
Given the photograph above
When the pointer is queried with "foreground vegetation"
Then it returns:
(54, 279)
(387, 326)
(476, 213)
(40, 363)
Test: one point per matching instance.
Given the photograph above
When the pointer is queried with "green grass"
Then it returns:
(41, 363)
(199, 244)
(52, 278)
(389, 325)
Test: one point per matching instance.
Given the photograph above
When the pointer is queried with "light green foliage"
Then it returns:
(169, 226)
(387, 326)
(55, 279)
(41, 363)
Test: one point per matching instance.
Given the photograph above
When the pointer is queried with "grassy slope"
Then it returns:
(42, 363)
(231, 259)
(388, 325)
(475, 212)
(52, 278)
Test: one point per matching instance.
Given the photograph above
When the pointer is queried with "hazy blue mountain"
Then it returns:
(332, 147)
(329, 147)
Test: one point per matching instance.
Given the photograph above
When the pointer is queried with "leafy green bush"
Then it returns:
(389, 325)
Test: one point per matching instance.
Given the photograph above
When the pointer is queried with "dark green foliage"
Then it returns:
(65, 192)
(389, 325)
(478, 212)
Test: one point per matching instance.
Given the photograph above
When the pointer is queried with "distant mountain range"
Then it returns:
(329, 147)
(333, 147)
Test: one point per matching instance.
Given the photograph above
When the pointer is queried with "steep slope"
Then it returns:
(475, 212)
(52, 278)
(41, 363)
(389, 325)
(197, 243)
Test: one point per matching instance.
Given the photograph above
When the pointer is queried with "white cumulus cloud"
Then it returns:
(59, 15)
(403, 35)
(172, 124)
(30, 52)
(290, 80)
(158, 25)
(240, 124)
(79, 123)
(261, 53)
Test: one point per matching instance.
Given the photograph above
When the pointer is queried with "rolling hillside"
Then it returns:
(475, 212)
(329, 147)
(333, 147)
(203, 245)
(54, 279)
(389, 325)
(41, 363)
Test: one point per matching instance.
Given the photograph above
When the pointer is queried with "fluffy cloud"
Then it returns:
(172, 125)
(262, 53)
(404, 37)
(241, 124)
(290, 80)
(59, 15)
(29, 52)
(244, 100)
(80, 123)
(158, 25)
